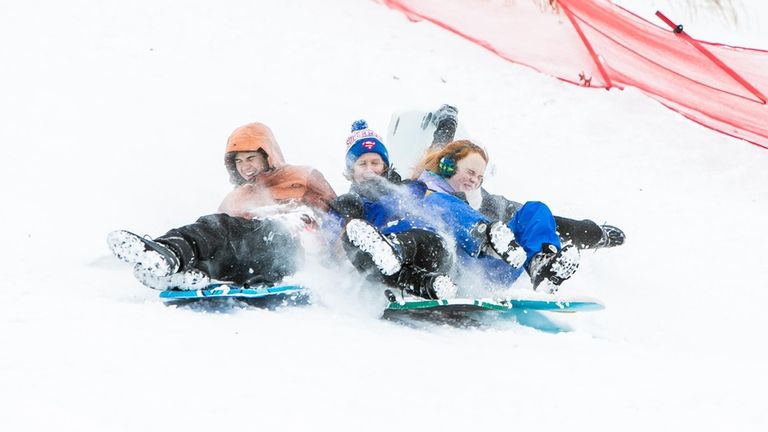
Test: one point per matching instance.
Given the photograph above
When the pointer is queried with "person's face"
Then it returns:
(250, 164)
(469, 173)
(367, 166)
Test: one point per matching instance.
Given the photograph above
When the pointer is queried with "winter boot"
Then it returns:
(445, 120)
(152, 260)
(188, 280)
(502, 241)
(612, 236)
(367, 239)
(192, 279)
(550, 267)
(425, 284)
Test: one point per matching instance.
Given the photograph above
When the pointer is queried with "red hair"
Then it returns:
(458, 150)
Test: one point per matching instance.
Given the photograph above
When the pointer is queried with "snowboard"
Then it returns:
(294, 293)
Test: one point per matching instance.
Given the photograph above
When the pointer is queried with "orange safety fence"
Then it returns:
(594, 43)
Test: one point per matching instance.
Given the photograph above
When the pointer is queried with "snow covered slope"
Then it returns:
(115, 115)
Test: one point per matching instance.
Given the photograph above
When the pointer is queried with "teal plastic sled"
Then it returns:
(555, 304)
(234, 291)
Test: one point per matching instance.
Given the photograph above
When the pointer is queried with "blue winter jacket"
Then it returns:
(397, 210)
(532, 224)
(390, 207)
(411, 205)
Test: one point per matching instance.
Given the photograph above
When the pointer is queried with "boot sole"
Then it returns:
(566, 262)
(366, 238)
(190, 280)
(130, 248)
(564, 265)
(501, 235)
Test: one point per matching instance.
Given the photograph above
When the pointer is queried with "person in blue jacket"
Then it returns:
(384, 232)
(530, 234)
(412, 236)
(584, 234)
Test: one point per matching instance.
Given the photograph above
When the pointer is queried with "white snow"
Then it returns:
(115, 116)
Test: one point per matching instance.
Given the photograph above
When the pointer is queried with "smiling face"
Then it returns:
(469, 173)
(250, 164)
(367, 166)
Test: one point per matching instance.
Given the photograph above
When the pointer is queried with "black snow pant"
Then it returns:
(584, 234)
(231, 249)
(420, 251)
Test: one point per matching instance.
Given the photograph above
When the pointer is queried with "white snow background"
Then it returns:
(115, 115)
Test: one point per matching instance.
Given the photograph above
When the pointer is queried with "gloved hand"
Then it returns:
(445, 120)
(349, 206)
(392, 176)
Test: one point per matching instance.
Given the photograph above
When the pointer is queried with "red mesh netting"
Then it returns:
(598, 44)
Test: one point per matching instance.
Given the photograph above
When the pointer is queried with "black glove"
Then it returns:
(349, 206)
(445, 120)
(392, 176)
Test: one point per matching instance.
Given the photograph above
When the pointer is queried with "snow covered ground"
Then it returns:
(115, 115)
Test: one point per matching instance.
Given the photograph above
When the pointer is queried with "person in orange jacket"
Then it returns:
(261, 177)
(259, 234)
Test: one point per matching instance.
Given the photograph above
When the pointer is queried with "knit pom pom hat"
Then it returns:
(364, 140)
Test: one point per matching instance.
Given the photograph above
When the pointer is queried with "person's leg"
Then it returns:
(205, 239)
(153, 263)
(416, 261)
(549, 264)
(244, 251)
(426, 264)
(422, 283)
(534, 227)
(424, 249)
(584, 234)
(368, 249)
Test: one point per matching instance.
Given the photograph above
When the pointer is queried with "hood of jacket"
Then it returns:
(253, 137)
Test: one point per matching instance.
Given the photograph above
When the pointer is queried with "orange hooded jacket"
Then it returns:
(280, 183)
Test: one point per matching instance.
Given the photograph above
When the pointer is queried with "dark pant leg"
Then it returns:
(360, 260)
(420, 249)
(237, 250)
(585, 234)
(424, 253)
(424, 249)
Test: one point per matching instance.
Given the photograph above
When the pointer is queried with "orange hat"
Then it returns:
(249, 138)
